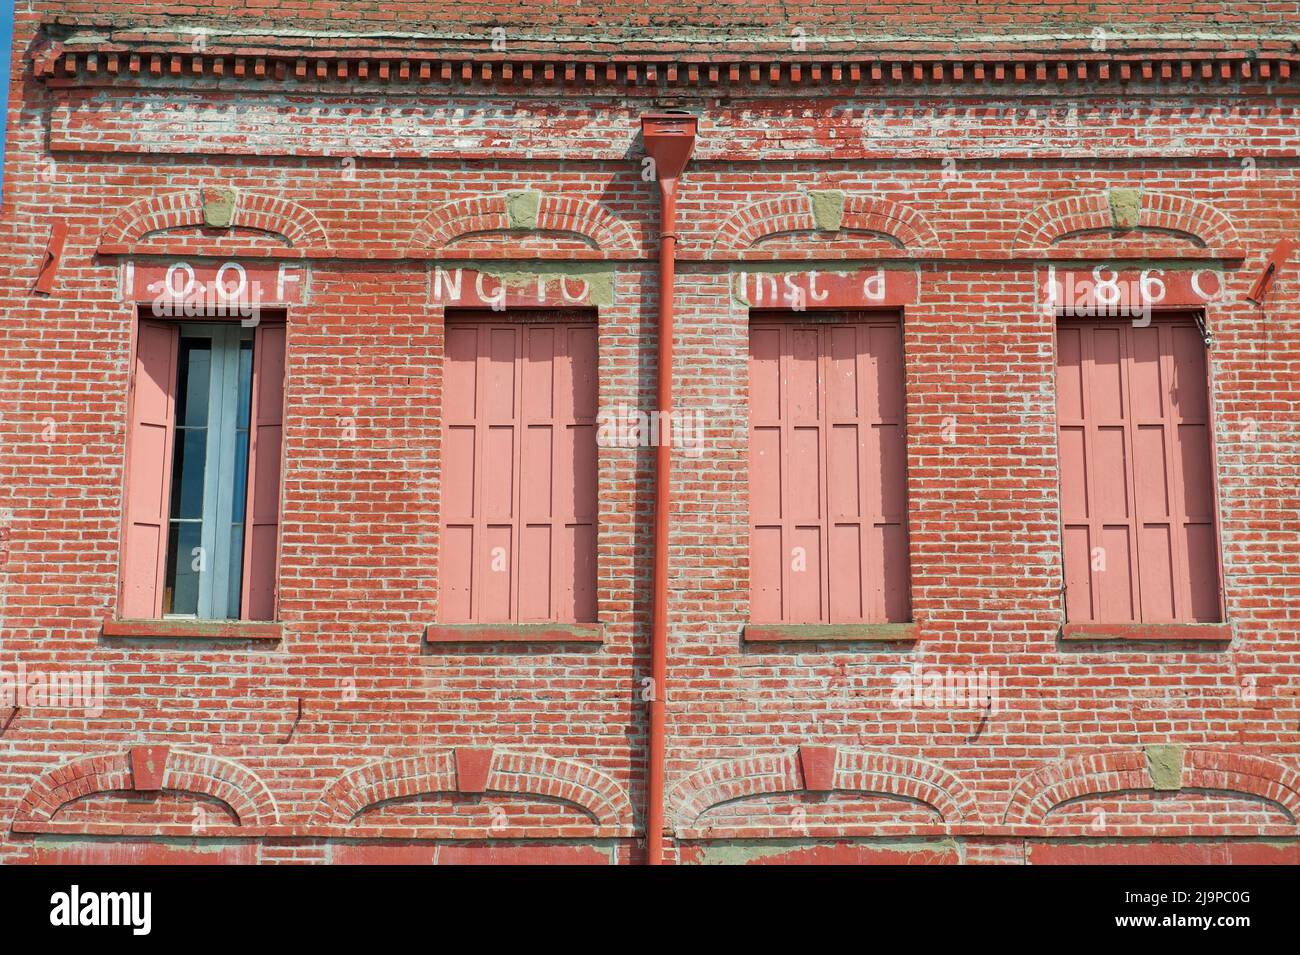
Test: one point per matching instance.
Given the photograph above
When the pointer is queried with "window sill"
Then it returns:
(514, 633)
(262, 630)
(830, 633)
(1148, 632)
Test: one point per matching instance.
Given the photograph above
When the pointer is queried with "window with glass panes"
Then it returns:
(203, 471)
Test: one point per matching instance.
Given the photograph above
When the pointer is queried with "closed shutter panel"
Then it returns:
(262, 528)
(518, 540)
(1137, 494)
(149, 453)
(828, 537)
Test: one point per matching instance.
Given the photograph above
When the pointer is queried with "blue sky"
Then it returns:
(6, 48)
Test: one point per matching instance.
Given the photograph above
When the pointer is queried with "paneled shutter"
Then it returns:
(518, 541)
(262, 528)
(150, 433)
(1137, 494)
(828, 501)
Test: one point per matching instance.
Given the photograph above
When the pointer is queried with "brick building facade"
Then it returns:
(982, 544)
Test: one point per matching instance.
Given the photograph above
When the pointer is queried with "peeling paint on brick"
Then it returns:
(599, 279)
(364, 438)
(803, 851)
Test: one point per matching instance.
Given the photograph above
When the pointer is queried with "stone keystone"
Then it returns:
(1165, 766)
(473, 763)
(148, 764)
(827, 209)
(219, 207)
(817, 764)
(521, 208)
(1125, 207)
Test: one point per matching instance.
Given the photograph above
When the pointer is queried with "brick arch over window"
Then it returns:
(448, 771)
(1102, 774)
(840, 770)
(856, 212)
(542, 212)
(247, 796)
(178, 210)
(1162, 211)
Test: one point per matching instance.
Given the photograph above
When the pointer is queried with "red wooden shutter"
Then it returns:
(262, 527)
(828, 530)
(150, 433)
(518, 540)
(1137, 493)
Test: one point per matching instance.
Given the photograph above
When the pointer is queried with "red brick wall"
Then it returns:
(286, 732)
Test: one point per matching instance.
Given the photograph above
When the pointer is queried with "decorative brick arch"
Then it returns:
(1162, 211)
(526, 210)
(177, 210)
(855, 212)
(821, 769)
(474, 771)
(1101, 774)
(178, 771)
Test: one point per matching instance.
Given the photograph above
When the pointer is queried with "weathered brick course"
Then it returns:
(347, 730)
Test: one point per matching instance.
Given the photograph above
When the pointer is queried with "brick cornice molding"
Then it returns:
(92, 56)
(509, 772)
(796, 212)
(854, 770)
(295, 223)
(491, 212)
(237, 786)
(1163, 212)
(1113, 773)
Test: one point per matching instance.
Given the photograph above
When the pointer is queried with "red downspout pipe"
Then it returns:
(669, 139)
